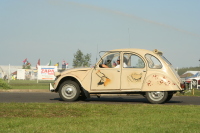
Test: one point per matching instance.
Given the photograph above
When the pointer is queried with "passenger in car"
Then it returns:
(118, 64)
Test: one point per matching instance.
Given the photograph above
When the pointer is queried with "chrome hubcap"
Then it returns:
(69, 91)
(156, 96)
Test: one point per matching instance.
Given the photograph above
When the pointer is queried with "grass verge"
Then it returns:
(29, 84)
(100, 118)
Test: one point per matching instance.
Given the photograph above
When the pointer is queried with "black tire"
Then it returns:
(69, 91)
(169, 97)
(156, 97)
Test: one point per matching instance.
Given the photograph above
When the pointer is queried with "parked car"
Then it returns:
(193, 82)
(141, 71)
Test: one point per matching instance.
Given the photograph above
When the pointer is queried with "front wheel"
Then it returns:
(69, 91)
(157, 97)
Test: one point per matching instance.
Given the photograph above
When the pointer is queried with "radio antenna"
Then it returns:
(97, 53)
(129, 38)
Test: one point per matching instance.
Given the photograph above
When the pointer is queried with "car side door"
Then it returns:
(133, 75)
(106, 79)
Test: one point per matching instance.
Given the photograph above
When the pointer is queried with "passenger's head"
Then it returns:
(118, 60)
(124, 58)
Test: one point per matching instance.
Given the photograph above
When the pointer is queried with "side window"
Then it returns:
(134, 61)
(153, 61)
(110, 60)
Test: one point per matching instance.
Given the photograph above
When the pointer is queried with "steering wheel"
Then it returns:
(107, 62)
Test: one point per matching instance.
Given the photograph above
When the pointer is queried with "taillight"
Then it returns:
(182, 85)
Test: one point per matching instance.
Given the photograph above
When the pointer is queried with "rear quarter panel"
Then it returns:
(161, 80)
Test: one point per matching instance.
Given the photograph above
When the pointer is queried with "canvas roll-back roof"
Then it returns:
(141, 51)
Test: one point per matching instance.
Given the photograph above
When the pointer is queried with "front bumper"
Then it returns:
(51, 88)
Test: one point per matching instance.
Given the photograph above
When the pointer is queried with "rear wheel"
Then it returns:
(157, 97)
(69, 91)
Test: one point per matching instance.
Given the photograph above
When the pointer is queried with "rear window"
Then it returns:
(153, 62)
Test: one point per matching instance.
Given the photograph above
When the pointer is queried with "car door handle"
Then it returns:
(118, 70)
(144, 71)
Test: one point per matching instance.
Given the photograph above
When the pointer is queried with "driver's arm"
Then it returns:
(104, 66)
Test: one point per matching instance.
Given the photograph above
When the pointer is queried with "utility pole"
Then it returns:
(2, 72)
(9, 73)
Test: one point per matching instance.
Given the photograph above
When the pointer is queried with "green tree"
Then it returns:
(81, 60)
(87, 60)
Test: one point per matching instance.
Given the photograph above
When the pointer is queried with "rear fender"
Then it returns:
(160, 82)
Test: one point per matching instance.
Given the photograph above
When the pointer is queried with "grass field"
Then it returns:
(95, 118)
(98, 118)
(29, 84)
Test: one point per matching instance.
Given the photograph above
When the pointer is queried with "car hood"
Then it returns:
(74, 71)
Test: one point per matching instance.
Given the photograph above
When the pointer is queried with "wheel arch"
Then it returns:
(65, 79)
(83, 91)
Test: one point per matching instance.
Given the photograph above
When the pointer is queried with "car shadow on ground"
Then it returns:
(104, 100)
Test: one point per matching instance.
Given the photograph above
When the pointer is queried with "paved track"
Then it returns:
(27, 97)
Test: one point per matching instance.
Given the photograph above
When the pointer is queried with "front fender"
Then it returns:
(160, 82)
(65, 77)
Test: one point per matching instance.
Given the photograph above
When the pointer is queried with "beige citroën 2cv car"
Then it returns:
(122, 71)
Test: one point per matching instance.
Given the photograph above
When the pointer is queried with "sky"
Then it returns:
(55, 29)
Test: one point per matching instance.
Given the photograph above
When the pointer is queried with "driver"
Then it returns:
(118, 64)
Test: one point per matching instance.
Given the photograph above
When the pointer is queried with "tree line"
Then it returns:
(185, 69)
